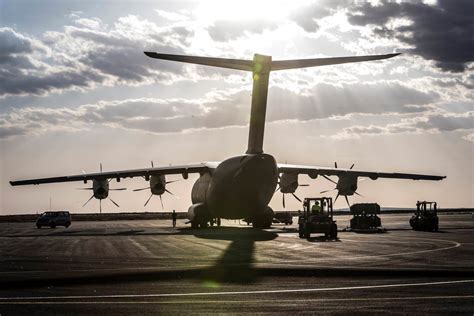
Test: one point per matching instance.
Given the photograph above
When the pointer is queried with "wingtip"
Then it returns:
(149, 54)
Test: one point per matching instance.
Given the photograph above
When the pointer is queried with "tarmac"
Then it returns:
(148, 267)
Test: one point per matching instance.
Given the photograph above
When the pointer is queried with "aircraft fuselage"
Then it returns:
(240, 187)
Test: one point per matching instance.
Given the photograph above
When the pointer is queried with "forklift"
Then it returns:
(317, 217)
(364, 217)
(425, 217)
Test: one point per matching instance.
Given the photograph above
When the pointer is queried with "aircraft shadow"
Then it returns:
(236, 263)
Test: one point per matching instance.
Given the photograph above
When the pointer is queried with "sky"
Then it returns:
(76, 90)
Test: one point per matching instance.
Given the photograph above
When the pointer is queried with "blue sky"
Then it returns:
(76, 90)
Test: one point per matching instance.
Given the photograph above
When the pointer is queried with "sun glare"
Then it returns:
(243, 10)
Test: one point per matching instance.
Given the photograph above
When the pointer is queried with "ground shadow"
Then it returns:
(236, 263)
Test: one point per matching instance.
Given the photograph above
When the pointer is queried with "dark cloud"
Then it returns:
(443, 32)
(81, 58)
(10, 131)
(223, 30)
(13, 43)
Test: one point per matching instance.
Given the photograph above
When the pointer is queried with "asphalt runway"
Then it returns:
(147, 267)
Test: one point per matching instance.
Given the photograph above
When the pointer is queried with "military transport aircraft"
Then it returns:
(241, 187)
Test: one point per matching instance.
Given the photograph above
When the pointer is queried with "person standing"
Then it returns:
(174, 216)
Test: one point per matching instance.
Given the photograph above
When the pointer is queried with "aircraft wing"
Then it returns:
(314, 171)
(183, 170)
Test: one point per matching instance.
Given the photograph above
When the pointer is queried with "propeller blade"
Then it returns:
(88, 200)
(84, 189)
(347, 200)
(296, 197)
(352, 166)
(100, 167)
(161, 200)
(141, 189)
(336, 197)
(327, 191)
(167, 182)
(152, 164)
(114, 202)
(303, 185)
(327, 178)
(172, 194)
(335, 164)
(359, 194)
(100, 206)
(283, 200)
(118, 189)
(148, 200)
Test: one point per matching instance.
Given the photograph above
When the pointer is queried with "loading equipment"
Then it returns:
(364, 217)
(317, 217)
(425, 217)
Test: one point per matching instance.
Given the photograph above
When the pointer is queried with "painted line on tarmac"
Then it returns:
(454, 245)
(330, 289)
(314, 300)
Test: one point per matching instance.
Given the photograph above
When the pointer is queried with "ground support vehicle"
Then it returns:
(317, 217)
(53, 219)
(425, 217)
(364, 217)
(283, 218)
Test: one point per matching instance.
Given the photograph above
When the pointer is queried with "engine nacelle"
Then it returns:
(100, 188)
(158, 184)
(200, 187)
(198, 213)
(288, 182)
(347, 185)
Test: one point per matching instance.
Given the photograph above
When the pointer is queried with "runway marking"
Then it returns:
(326, 300)
(454, 245)
(330, 289)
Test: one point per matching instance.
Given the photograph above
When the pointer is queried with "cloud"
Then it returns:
(308, 16)
(469, 137)
(325, 100)
(223, 109)
(434, 122)
(89, 54)
(226, 30)
(443, 32)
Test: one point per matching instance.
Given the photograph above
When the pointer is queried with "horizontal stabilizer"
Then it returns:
(248, 65)
(302, 63)
(239, 64)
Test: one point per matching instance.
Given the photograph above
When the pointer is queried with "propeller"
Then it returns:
(283, 194)
(339, 188)
(165, 190)
(100, 199)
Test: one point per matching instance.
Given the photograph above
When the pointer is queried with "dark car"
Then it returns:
(53, 219)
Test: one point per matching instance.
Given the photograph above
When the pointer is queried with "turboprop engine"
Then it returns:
(345, 186)
(157, 187)
(288, 183)
(100, 190)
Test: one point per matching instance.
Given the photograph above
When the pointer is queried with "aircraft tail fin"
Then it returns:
(261, 66)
